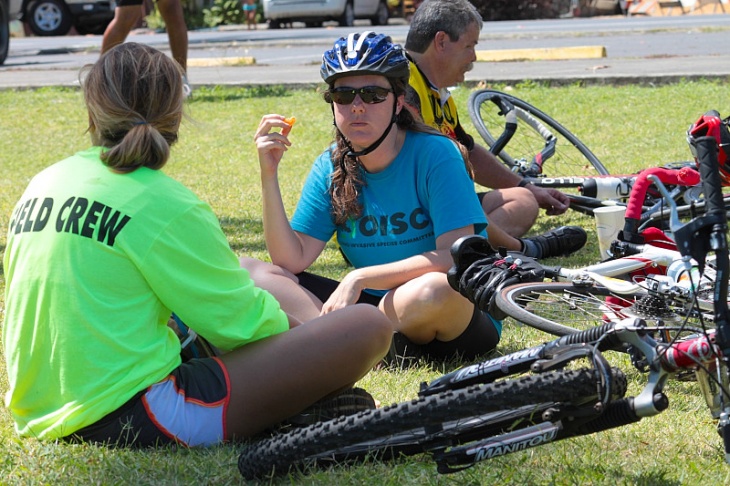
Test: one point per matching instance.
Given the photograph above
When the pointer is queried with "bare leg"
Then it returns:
(177, 32)
(424, 309)
(499, 238)
(125, 18)
(512, 210)
(277, 377)
(427, 308)
(284, 285)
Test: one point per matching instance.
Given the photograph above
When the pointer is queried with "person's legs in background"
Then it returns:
(126, 16)
(177, 31)
(249, 11)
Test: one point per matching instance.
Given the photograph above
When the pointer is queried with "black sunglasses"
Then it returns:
(368, 94)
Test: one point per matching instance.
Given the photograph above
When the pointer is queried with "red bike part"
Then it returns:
(686, 176)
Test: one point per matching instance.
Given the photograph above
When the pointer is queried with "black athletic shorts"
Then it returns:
(129, 3)
(479, 338)
(187, 408)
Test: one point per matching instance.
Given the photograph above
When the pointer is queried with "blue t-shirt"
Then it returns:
(424, 193)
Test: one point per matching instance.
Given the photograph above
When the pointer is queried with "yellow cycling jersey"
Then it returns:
(437, 108)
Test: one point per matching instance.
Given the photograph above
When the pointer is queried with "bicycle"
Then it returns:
(589, 298)
(662, 282)
(579, 298)
(542, 138)
(540, 149)
(536, 396)
(640, 280)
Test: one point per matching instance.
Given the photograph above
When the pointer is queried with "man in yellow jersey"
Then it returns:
(441, 46)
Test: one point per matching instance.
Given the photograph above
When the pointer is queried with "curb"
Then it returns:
(220, 61)
(503, 55)
(542, 54)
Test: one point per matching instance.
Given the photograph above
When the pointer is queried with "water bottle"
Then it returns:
(608, 187)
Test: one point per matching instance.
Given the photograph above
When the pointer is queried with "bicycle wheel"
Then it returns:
(424, 424)
(535, 131)
(561, 308)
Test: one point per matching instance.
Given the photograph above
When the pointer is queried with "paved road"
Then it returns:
(648, 50)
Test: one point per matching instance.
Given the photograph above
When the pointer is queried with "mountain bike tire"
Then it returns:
(561, 308)
(423, 424)
(572, 157)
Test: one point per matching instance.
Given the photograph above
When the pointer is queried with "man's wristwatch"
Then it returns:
(523, 183)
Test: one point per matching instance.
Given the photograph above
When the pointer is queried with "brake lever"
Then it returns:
(674, 222)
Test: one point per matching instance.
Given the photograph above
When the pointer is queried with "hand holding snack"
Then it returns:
(272, 141)
(289, 121)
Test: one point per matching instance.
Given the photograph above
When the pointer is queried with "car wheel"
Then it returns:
(381, 16)
(348, 16)
(274, 24)
(4, 31)
(49, 17)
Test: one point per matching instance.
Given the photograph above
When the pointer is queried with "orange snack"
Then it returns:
(290, 121)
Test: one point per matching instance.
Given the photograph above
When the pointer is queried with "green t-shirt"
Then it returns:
(94, 264)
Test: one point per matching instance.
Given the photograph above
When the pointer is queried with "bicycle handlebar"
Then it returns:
(707, 159)
(686, 176)
(709, 233)
(510, 112)
(510, 127)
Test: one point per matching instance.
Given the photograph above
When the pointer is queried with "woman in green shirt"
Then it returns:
(103, 245)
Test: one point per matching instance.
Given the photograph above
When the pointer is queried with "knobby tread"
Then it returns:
(299, 448)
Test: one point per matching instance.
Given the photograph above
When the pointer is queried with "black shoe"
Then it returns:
(348, 402)
(560, 242)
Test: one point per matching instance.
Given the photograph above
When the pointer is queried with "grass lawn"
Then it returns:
(627, 127)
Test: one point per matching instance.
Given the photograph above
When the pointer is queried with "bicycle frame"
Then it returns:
(650, 257)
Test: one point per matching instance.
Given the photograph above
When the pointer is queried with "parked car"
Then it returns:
(56, 17)
(315, 12)
(9, 10)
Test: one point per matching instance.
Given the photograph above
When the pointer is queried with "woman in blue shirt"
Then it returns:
(397, 195)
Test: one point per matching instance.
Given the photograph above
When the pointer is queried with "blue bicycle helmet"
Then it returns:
(366, 53)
